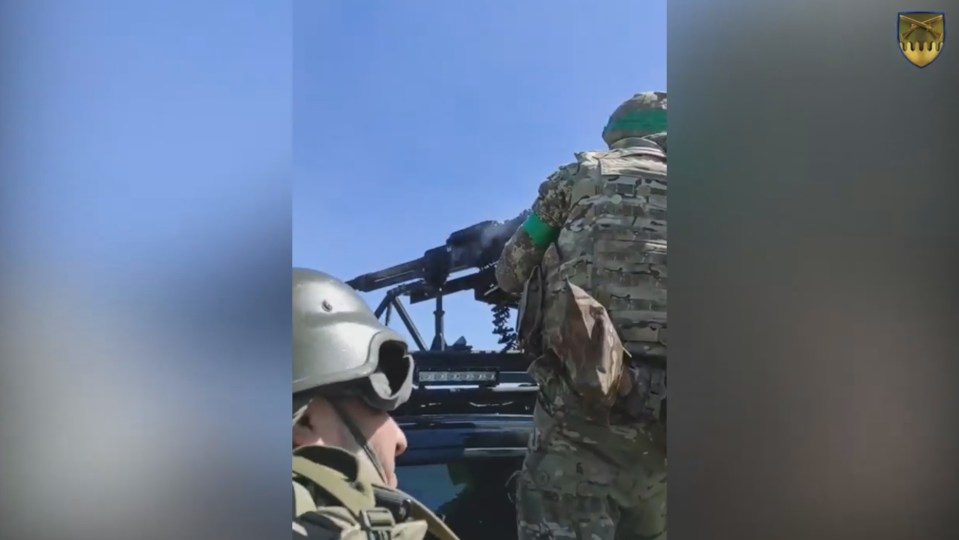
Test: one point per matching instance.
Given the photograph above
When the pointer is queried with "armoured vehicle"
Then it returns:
(470, 414)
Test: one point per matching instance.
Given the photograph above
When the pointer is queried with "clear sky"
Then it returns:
(414, 119)
(133, 106)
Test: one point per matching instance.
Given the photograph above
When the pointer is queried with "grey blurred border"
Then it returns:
(813, 237)
(144, 384)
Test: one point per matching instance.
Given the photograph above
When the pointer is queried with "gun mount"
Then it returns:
(461, 382)
(476, 247)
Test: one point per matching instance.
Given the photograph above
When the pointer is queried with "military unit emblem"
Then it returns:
(921, 35)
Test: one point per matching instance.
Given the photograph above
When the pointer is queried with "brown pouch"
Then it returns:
(591, 352)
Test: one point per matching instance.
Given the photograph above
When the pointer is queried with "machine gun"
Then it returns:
(476, 247)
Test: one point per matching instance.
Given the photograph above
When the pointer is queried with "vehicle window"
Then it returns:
(471, 495)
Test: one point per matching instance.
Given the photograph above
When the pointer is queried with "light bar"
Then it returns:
(457, 377)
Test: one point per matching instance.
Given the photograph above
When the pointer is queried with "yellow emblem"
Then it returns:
(921, 35)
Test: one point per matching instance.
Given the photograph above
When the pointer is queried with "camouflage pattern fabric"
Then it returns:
(610, 208)
(586, 475)
(585, 481)
(659, 139)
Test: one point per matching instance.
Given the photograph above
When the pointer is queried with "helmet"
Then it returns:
(641, 115)
(340, 348)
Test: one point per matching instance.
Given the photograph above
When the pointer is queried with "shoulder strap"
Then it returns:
(582, 188)
(434, 525)
(302, 500)
(586, 185)
(351, 495)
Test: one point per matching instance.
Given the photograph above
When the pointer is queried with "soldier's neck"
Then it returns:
(648, 146)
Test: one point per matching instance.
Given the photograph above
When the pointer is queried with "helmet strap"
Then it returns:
(360, 438)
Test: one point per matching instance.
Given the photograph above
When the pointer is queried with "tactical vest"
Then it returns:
(332, 505)
(613, 246)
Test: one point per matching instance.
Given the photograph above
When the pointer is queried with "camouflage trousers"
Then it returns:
(588, 482)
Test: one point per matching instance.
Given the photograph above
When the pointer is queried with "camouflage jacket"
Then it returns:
(332, 502)
(599, 224)
(658, 138)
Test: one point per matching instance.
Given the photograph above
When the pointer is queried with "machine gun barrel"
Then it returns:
(477, 246)
(394, 275)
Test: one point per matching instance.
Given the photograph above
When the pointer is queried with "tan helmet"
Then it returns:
(639, 116)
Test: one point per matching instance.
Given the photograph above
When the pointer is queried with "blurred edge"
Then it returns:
(144, 269)
(813, 237)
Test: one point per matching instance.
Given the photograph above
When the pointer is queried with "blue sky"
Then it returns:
(415, 119)
(169, 119)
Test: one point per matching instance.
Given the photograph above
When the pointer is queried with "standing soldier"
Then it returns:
(349, 370)
(591, 264)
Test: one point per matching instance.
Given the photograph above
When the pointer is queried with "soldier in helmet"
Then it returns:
(590, 262)
(349, 371)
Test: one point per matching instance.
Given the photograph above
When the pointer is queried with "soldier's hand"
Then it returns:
(496, 295)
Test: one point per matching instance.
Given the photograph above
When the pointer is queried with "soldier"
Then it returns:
(591, 264)
(349, 370)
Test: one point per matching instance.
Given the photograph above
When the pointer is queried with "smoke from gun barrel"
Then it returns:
(476, 246)
(496, 236)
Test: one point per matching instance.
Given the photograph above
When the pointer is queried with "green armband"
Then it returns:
(540, 233)
(645, 121)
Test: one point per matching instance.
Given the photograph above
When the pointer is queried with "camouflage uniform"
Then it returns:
(659, 139)
(596, 462)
